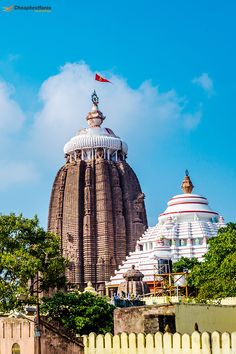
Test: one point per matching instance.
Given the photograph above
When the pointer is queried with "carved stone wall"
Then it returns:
(97, 208)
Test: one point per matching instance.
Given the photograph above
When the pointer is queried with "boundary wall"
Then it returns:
(16, 333)
(167, 343)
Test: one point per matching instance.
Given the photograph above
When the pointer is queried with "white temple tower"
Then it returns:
(182, 231)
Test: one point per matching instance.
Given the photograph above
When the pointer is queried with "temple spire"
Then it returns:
(95, 98)
(187, 185)
(95, 117)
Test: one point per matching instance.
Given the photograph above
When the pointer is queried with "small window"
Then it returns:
(15, 349)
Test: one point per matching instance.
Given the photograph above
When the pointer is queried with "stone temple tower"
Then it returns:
(97, 206)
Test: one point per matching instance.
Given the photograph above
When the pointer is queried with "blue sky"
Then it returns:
(173, 98)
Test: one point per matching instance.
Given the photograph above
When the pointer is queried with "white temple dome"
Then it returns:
(88, 141)
(96, 137)
(187, 206)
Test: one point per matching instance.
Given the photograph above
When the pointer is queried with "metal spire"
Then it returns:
(187, 185)
(95, 98)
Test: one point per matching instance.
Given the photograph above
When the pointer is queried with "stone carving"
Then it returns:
(78, 155)
(120, 155)
(138, 205)
(67, 157)
(139, 202)
(70, 238)
(100, 153)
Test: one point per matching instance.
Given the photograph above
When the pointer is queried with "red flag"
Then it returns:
(101, 79)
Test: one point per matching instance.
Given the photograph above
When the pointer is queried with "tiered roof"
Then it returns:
(182, 231)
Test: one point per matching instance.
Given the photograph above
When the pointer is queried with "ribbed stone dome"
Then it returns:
(133, 274)
(97, 137)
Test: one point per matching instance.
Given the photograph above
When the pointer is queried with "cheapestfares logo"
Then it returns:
(38, 8)
(8, 9)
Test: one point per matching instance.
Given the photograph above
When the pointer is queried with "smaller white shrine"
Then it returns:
(182, 231)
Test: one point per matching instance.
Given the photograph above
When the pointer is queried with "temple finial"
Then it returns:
(95, 98)
(187, 185)
(95, 117)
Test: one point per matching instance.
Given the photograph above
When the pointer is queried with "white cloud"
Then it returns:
(11, 115)
(16, 172)
(205, 82)
(142, 115)
(191, 121)
(144, 112)
(12, 121)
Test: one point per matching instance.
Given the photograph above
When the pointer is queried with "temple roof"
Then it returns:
(182, 231)
(95, 136)
(133, 274)
(187, 205)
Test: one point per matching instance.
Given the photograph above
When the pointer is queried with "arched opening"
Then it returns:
(15, 349)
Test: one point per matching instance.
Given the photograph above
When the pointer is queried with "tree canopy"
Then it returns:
(26, 249)
(215, 277)
(185, 263)
(81, 313)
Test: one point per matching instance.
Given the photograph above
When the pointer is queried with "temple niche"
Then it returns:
(97, 206)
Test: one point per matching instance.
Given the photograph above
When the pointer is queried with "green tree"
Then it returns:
(26, 249)
(216, 276)
(185, 263)
(81, 313)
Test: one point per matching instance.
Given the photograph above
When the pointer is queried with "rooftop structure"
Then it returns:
(133, 283)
